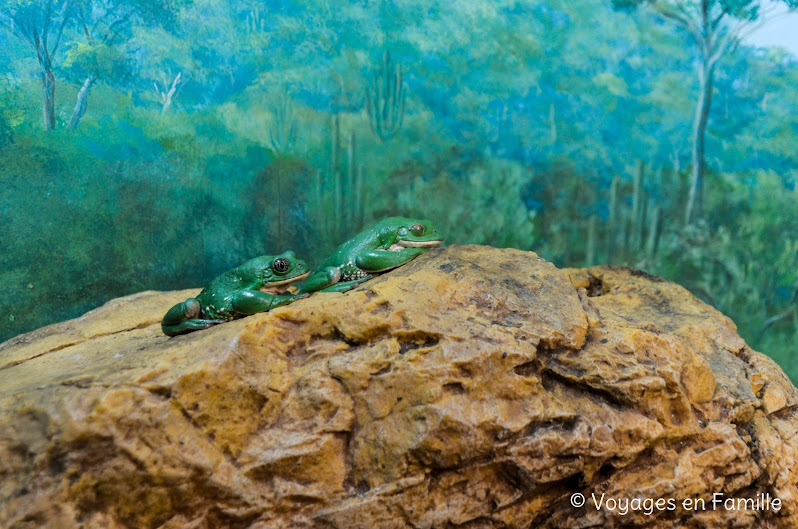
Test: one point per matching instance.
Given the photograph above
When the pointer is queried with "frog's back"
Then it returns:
(221, 286)
(362, 242)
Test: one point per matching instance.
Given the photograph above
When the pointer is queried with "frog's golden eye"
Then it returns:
(417, 229)
(280, 265)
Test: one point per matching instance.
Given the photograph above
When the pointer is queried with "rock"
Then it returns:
(473, 387)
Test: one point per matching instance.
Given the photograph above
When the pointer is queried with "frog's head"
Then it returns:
(411, 233)
(280, 270)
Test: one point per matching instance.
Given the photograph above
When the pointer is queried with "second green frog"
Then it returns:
(390, 243)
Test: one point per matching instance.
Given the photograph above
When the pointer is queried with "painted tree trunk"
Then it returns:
(166, 99)
(48, 102)
(552, 124)
(696, 193)
(82, 103)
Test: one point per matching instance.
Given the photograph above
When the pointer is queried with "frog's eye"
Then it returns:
(417, 229)
(280, 265)
(402, 231)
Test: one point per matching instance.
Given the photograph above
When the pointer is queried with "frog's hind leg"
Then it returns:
(181, 312)
(383, 260)
(182, 319)
(253, 301)
(188, 326)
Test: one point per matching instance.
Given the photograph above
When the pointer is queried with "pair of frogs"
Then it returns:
(260, 284)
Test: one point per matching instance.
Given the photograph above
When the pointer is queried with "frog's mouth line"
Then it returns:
(272, 287)
(419, 244)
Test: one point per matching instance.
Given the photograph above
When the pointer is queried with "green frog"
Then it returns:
(255, 286)
(390, 243)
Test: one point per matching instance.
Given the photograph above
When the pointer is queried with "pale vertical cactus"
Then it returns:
(653, 231)
(282, 131)
(590, 255)
(344, 209)
(385, 98)
(636, 220)
(612, 220)
(349, 188)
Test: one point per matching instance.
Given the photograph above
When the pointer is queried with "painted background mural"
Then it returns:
(152, 144)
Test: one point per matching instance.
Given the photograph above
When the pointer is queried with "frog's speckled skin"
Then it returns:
(386, 245)
(250, 288)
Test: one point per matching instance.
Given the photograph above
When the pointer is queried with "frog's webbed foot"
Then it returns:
(187, 326)
(319, 280)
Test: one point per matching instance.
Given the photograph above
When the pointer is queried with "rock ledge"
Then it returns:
(474, 387)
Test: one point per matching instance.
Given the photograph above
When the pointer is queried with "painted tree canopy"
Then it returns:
(156, 143)
(716, 27)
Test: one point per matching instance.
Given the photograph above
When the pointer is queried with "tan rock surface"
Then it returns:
(474, 387)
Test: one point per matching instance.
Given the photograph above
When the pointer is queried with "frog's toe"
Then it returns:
(345, 286)
(188, 326)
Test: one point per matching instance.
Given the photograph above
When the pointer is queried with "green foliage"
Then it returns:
(557, 126)
(276, 195)
(84, 59)
(10, 116)
(471, 201)
(748, 266)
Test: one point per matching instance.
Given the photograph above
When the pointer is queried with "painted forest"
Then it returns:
(153, 144)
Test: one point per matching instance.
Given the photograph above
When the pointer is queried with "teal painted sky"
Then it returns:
(782, 31)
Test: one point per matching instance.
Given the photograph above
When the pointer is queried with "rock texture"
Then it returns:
(474, 387)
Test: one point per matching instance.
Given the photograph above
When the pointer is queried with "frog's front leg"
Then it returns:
(321, 279)
(381, 260)
(254, 301)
